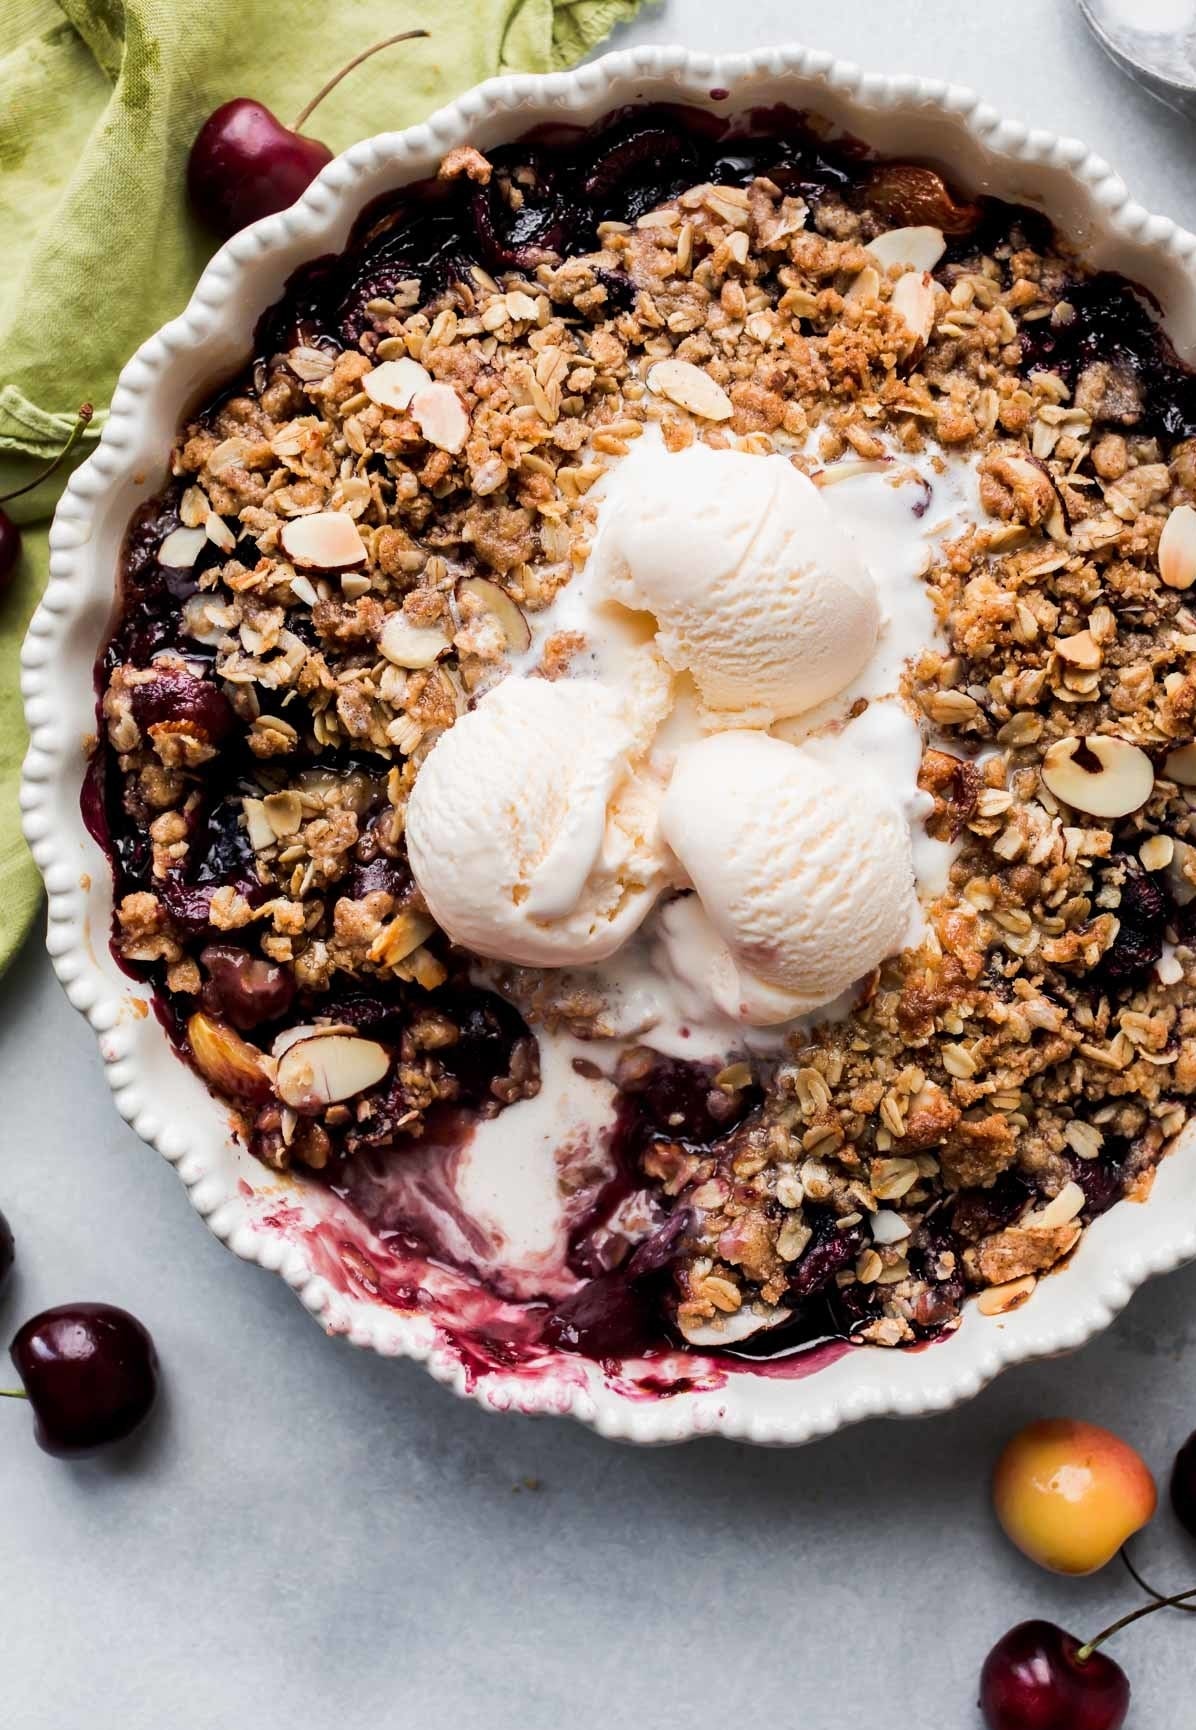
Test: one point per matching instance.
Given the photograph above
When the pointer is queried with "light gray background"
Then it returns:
(309, 1535)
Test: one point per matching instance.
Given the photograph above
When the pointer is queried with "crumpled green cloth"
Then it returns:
(99, 102)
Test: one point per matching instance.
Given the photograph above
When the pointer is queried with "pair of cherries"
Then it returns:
(1070, 1495)
(89, 1371)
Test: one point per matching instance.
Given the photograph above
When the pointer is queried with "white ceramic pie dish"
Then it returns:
(288, 1227)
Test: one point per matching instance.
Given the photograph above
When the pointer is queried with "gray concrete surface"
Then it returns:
(311, 1536)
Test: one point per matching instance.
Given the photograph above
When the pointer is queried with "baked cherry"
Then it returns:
(90, 1373)
(10, 534)
(245, 164)
(245, 989)
(1035, 1679)
(1183, 1485)
(176, 697)
(7, 1249)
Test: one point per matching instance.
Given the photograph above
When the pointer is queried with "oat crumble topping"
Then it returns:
(268, 700)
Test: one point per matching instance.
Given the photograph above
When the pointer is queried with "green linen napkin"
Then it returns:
(99, 102)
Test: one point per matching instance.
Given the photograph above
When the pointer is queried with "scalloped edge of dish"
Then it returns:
(160, 1098)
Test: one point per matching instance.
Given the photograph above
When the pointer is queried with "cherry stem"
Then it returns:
(13, 1394)
(1151, 1591)
(1085, 1652)
(366, 54)
(81, 421)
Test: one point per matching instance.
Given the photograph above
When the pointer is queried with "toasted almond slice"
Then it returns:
(219, 533)
(318, 1072)
(912, 248)
(284, 813)
(395, 382)
(1157, 852)
(261, 835)
(865, 287)
(690, 388)
(440, 415)
(325, 541)
(310, 1030)
(396, 940)
(1061, 1209)
(1080, 649)
(888, 1227)
(230, 1063)
(424, 968)
(182, 547)
(1101, 775)
(497, 601)
(740, 1325)
(914, 304)
(408, 645)
(997, 1300)
(1177, 548)
(1180, 765)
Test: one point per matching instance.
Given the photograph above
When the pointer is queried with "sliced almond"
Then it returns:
(404, 933)
(1060, 1210)
(1080, 649)
(741, 1325)
(497, 601)
(408, 645)
(440, 415)
(888, 1227)
(914, 303)
(182, 547)
(230, 1063)
(354, 584)
(1180, 765)
(865, 287)
(219, 533)
(1157, 852)
(395, 382)
(1177, 548)
(257, 824)
(912, 248)
(318, 1072)
(1101, 775)
(284, 813)
(309, 1030)
(325, 541)
(690, 388)
(998, 1300)
(1181, 874)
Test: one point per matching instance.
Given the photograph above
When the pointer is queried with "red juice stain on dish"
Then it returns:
(399, 1235)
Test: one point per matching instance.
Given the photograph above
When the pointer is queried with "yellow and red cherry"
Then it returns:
(245, 164)
(1069, 1494)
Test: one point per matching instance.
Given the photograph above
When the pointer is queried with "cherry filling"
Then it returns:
(544, 203)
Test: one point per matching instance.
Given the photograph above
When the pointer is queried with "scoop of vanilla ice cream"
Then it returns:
(756, 590)
(533, 826)
(805, 877)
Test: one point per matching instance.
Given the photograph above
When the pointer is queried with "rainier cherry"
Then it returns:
(10, 534)
(245, 164)
(1069, 1494)
(90, 1373)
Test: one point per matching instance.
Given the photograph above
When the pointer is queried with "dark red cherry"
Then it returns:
(8, 1252)
(243, 988)
(10, 549)
(245, 164)
(1034, 1680)
(176, 696)
(1183, 1485)
(91, 1375)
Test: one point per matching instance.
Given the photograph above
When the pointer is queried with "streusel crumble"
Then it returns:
(380, 522)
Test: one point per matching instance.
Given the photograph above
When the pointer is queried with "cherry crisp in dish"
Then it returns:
(386, 519)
